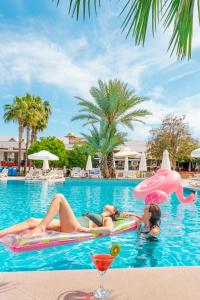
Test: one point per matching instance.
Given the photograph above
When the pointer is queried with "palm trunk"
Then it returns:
(104, 168)
(110, 162)
(28, 130)
(34, 135)
(21, 129)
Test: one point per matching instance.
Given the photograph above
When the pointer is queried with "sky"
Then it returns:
(45, 52)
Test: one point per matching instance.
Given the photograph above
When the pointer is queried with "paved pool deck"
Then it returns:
(176, 283)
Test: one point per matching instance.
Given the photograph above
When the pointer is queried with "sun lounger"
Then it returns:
(195, 183)
(4, 173)
(95, 173)
(36, 174)
(75, 172)
(29, 174)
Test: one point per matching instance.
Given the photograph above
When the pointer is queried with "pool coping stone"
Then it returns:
(174, 283)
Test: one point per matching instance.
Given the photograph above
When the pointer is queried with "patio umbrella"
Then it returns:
(45, 156)
(89, 164)
(143, 164)
(195, 153)
(127, 153)
(165, 161)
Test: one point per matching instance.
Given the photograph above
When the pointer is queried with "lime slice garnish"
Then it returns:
(114, 250)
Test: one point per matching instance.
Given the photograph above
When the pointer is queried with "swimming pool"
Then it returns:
(178, 244)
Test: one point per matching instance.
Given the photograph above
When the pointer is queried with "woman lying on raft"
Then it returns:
(87, 223)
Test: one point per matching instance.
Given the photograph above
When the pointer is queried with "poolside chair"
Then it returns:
(37, 174)
(95, 173)
(58, 174)
(29, 174)
(195, 183)
(75, 172)
(84, 174)
(4, 173)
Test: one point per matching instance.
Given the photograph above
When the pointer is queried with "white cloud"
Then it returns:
(77, 63)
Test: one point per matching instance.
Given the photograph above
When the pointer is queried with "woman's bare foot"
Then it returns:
(39, 230)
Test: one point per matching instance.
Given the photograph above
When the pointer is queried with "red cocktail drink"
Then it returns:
(102, 261)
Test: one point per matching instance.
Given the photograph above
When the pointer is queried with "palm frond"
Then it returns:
(180, 13)
(78, 7)
(137, 17)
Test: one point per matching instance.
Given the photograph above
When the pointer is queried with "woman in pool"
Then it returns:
(87, 223)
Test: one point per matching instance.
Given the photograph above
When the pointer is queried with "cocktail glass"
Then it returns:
(102, 263)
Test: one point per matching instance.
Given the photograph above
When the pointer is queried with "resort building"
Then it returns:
(9, 149)
(70, 140)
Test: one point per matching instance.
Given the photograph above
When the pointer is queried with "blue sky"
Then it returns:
(45, 52)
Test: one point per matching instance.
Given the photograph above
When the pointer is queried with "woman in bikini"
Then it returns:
(86, 223)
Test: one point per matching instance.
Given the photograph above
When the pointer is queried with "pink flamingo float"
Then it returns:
(159, 187)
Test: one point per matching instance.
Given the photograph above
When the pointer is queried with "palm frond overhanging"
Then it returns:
(138, 14)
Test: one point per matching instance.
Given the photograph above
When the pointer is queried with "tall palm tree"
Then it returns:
(33, 115)
(103, 141)
(44, 109)
(114, 103)
(16, 112)
(139, 15)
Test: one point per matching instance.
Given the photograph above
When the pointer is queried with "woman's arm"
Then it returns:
(130, 214)
(138, 226)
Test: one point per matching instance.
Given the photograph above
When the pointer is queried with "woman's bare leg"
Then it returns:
(30, 223)
(68, 221)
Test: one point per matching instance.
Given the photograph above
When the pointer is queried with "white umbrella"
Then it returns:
(165, 161)
(143, 163)
(45, 156)
(196, 153)
(89, 164)
(127, 153)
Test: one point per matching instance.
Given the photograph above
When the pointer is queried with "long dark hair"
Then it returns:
(155, 215)
(115, 215)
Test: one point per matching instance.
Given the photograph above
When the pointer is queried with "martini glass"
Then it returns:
(102, 263)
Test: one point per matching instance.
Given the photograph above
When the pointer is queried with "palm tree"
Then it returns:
(44, 109)
(114, 103)
(139, 14)
(103, 141)
(32, 116)
(16, 112)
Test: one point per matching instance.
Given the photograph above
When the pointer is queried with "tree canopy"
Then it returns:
(173, 135)
(114, 104)
(53, 145)
(77, 157)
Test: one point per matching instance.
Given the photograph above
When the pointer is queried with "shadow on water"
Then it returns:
(146, 255)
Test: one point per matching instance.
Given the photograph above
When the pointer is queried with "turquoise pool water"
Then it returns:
(178, 244)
